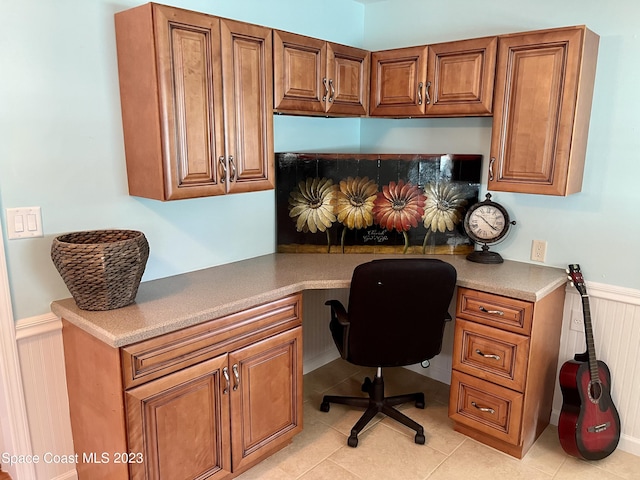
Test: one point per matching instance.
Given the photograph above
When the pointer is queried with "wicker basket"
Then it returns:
(101, 268)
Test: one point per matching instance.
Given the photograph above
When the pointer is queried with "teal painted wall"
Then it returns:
(598, 227)
(61, 140)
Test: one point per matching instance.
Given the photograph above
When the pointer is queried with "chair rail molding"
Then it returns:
(13, 413)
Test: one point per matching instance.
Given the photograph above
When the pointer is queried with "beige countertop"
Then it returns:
(171, 303)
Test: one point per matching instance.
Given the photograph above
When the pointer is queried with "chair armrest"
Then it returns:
(339, 327)
(338, 312)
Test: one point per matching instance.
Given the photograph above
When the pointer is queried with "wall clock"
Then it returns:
(486, 223)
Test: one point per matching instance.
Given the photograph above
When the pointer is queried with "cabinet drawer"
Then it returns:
(495, 310)
(492, 354)
(153, 358)
(493, 410)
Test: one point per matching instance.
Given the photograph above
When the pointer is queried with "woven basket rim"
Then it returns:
(67, 238)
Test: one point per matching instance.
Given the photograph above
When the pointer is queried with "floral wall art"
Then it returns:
(357, 203)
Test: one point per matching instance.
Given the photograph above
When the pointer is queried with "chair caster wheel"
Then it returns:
(419, 404)
(352, 441)
(420, 439)
(325, 406)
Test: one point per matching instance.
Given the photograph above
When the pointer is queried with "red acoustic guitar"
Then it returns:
(589, 425)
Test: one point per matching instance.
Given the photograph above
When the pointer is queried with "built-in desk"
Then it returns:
(213, 339)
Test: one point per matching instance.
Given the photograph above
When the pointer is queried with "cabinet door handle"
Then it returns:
(488, 355)
(225, 373)
(233, 176)
(223, 164)
(420, 93)
(491, 162)
(483, 409)
(236, 376)
(426, 93)
(333, 90)
(326, 89)
(492, 312)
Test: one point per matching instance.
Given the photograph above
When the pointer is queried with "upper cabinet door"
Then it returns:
(171, 104)
(299, 72)
(398, 79)
(248, 105)
(543, 93)
(460, 77)
(348, 80)
(312, 76)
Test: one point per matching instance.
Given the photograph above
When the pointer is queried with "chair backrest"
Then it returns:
(397, 310)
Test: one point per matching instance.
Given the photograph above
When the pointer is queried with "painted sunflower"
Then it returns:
(399, 207)
(311, 205)
(353, 203)
(443, 209)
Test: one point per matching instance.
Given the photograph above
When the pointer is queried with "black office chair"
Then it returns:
(397, 313)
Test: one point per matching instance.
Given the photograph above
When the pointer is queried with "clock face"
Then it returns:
(487, 222)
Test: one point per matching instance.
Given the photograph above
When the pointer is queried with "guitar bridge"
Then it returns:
(599, 428)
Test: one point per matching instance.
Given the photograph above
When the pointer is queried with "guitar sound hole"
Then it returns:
(595, 391)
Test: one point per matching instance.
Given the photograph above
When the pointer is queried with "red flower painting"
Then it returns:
(399, 206)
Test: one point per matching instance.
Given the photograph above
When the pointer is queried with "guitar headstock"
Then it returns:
(575, 275)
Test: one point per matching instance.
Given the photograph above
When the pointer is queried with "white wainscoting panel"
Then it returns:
(615, 315)
(45, 386)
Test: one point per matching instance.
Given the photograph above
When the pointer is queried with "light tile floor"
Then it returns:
(386, 449)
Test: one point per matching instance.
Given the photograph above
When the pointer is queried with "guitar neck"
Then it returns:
(588, 332)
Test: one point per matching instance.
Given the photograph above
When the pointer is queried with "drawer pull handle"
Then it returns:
(483, 409)
(420, 93)
(492, 312)
(225, 373)
(236, 376)
(326, 89)
(488, 355)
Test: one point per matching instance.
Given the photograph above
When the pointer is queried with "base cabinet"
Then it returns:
(503, 367)
(206, 402)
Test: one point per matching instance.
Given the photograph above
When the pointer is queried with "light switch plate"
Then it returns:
(25, 222)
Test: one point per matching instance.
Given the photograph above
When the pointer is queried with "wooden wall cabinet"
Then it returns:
(504, 367)
(544, 87)
(209, 401)
(316, 77)
(445, 79)
(196, 103)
